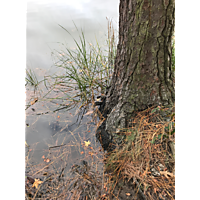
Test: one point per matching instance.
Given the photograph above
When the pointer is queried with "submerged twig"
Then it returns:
(57, 146)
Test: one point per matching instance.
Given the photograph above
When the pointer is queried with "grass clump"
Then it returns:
(88, 69)
(86, 72)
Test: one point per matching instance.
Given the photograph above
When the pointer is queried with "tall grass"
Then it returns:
(88, 69)
(87, 72)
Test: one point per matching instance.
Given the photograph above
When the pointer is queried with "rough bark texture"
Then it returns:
(142, 75)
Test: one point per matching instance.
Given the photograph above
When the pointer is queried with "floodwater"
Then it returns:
(44, 35)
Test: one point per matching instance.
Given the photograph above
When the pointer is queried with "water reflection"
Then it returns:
(43, 32)
(43, 36)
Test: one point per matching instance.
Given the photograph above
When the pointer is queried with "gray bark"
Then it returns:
(143, 75)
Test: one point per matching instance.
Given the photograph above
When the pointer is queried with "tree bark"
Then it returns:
(143, 75)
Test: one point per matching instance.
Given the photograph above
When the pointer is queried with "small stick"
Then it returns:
(57, 146)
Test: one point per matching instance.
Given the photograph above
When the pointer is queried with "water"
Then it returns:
(43, 36)
(44, 33)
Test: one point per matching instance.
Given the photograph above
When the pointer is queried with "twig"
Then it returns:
(57, 146)
(62, 171)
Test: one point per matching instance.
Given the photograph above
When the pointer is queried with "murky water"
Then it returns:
(43, 36)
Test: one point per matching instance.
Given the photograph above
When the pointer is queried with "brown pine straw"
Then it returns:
(138, 158)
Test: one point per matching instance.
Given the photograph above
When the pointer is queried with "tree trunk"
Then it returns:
(143, 75)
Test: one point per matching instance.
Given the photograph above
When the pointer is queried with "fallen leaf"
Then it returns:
(43, 157)
(58, 116)
(91, 148)
(47, 160)
(167, 174)
(34, 101)
(128, 194)
(36, 183)
(87, 143)
(82, 152)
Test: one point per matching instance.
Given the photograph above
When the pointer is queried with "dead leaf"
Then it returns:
(87, 143)
(128, 194)
(43, 157)
(167, 174)
(36, 183)
(47, 160)
(58, 116)
(34, 101)
(82, 152)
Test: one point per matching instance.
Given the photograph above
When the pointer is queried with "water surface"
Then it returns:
(44, 35)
